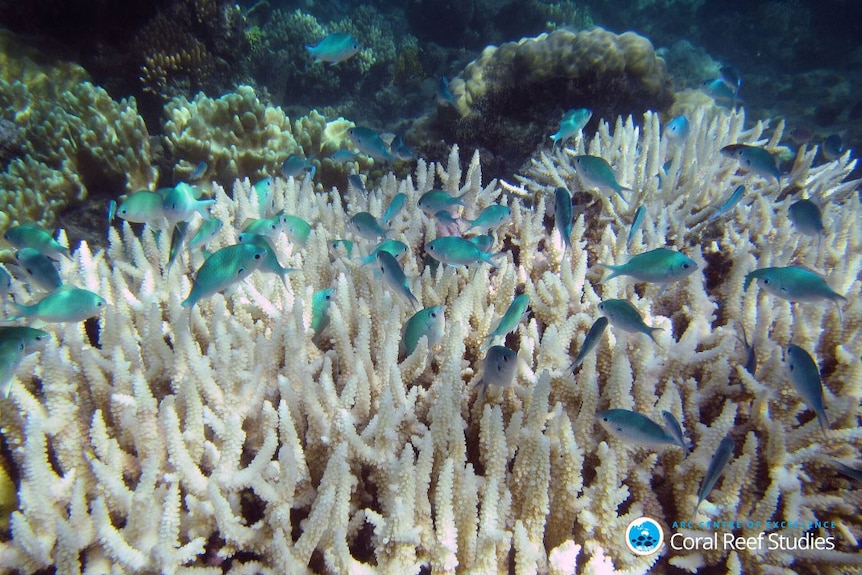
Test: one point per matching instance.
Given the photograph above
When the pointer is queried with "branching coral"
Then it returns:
(237, 438)
(188, 46)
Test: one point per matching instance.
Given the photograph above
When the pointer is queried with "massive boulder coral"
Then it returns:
(63, 136)
(511, 98)
(239, 136)
(237, 442)
(79, 143)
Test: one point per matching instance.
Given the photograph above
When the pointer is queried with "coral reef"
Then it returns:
(510, 97)
(234, 442)
(77, 143)
(238, 136)
(285, 68)
(185, 47)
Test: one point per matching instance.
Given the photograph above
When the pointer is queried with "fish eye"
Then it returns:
(433, 314)
(604, 418)
(766, 281)
(258, 256)
(685, 266)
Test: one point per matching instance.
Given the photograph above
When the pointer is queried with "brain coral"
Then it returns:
(511, 91)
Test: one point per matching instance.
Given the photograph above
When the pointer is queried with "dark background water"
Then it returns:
(799, 59)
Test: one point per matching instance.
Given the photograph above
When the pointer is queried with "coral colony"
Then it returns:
(285, 397)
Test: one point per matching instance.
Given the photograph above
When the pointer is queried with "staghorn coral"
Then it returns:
(239, 435)
(238, 136)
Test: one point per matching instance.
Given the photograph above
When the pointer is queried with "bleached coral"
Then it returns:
(168, 448)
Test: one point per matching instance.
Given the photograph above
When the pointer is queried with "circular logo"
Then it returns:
(644, 536)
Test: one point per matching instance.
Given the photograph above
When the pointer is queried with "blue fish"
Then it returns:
(370, 143)
(400, 150)
(320, 303)
(264, 190)
(729, 204)
(5, 283)
(39, 268)
(594, 336)
(832, 147)
(445, 97)
(719, 92)
(572, 123)
(181, 202)
(199, 172)
(793, 283)
(625, 316)
(805, 378)
(634, 428)
(716, 468)
(335, 48)
(355, 182)
(595, 171)
(394, 277)
(501, 364)
(343, 155)
(435, 200)
(484, 242)
(563, 216)
(394, 247)
(178, 236)
(660, 265)
(112, 210)
(677, 129)
(750, 364)
(227, 266)
(807, 218)
(637, 222)
(733, 79)
(673, 427)
(366, 226)
(205, 232)
(396, 204)
(296, 165)
(754, 159)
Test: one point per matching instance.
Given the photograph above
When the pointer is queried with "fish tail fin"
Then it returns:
(823, 420)
(620, 194)
(6, 383)
(489, 259)
(651, 331)
(21, 311)
(616, 271)
(413, 300)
